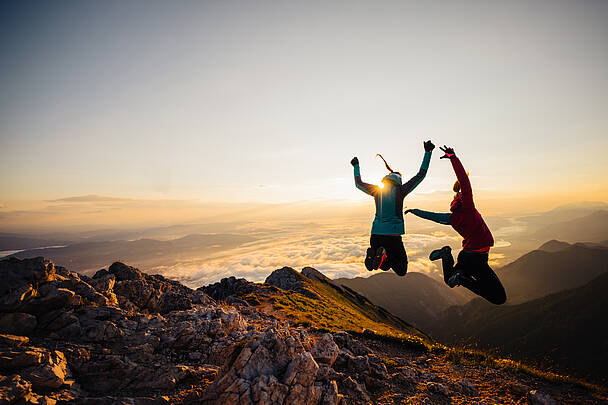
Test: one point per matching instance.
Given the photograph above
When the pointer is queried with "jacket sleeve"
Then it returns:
(365, 187)
(417, 179)
(465, 183)
(440, 218)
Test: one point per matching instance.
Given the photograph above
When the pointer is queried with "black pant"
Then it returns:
(395, 252)
(484, 281)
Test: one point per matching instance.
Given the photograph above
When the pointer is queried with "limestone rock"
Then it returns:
(536, 397)
(17, 323)
(13, 340)
(325, 350)
(12, 388)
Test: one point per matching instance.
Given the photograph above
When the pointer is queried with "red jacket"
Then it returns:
(465, 218)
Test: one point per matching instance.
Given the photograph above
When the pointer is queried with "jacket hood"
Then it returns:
(394, 178)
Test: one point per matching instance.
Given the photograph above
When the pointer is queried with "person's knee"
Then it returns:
(499, 298)
(400, 269)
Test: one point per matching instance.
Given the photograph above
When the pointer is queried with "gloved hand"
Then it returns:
(408, 211)
(355, 161)
(449, 152)
(428, 146)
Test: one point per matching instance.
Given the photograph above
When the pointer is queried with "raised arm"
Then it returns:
(461, 175)
(365, 187)
(440, 218)
(412, 183)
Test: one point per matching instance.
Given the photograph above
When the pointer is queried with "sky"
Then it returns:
(266, 102)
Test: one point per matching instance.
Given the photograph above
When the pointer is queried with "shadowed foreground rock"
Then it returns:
(126, 337)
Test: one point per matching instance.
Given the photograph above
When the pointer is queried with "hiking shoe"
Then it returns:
(459, 279)
(375, 258)
(454, 280)
(369, 259)
(440, 253)
(379, 258)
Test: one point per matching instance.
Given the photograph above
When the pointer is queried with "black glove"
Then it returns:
(408, 211)
(355, 161)
(449, 152)
(428, 146)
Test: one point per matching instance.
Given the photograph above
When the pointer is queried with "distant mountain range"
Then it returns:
(415, 297)
(554, 267)
(590, 228)
(87, 257)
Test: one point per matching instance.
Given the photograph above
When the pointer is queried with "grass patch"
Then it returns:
(479, 358)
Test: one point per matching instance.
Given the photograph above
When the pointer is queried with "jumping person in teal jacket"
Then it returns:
(387, 249)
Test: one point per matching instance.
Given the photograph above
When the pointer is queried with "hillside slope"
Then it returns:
(550, 269)
(566, 331)
(415, 297)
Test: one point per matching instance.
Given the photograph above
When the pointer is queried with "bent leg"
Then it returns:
(482, 280)
(448, 266)
(397, 258)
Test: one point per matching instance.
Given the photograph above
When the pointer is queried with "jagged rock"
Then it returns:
(536, 397)
(325, 350)
(152, 293)
(465, 387)
(20, 279)
(17, 323)
(84, 289)
(289, 279)
(316, 275)
(351, 389)
(267, 390)
(124, 272)
(12, 388)
(17, 358)
(330, 394)
(50, 298)
(274, 354)
(228, 287)
(13, 340)
(50, 374)
(345, 341)
(301, 370)
(438, 388)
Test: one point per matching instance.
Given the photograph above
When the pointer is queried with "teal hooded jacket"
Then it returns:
(389, 200)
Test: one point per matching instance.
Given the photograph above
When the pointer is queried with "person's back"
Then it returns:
(465, 218)
(386, 246)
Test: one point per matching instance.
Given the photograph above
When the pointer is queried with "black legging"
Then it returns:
(395, 252)
(484, 281)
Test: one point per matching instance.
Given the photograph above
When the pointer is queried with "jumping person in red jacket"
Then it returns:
(472, 270)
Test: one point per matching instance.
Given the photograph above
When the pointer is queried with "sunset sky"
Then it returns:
(267, 102)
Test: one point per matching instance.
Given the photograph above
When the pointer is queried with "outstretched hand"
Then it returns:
(355, 161)
(428, 146)
(449, 152)
(408, 211)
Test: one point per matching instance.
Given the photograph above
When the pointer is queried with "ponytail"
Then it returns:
(386, 164)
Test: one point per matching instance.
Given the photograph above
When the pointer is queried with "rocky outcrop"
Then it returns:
(289, 279)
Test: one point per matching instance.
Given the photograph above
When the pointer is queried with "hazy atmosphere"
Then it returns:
(162, 120)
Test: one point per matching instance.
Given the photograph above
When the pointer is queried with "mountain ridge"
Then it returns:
(124, 336)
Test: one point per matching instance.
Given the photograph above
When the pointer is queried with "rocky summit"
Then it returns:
(127, 337)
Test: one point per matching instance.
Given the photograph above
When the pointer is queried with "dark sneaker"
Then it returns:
(459, 279)
(454, 280)
(440, 253)
(379, 258)
(369, 259)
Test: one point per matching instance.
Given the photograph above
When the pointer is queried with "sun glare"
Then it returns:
(381, 185)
